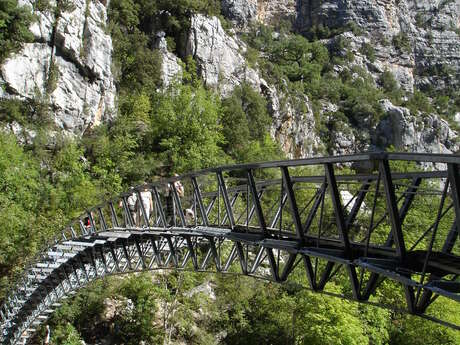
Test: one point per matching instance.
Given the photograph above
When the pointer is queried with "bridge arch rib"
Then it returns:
(394, 222)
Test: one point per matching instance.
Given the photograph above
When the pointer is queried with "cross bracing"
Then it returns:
(364, 218)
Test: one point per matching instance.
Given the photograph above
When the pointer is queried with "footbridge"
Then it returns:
(354, 220)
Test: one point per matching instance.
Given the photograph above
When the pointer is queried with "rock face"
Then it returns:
(397, 128)
(218, 55)
(222, 66)
(240, 12)
(244, 12)
(274, 12)
(293, 122)
(410, 38)
(407, 132)
(170, 67)
(119, 306)
(70, 69)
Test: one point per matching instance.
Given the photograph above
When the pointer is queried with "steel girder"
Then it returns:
(263, 220)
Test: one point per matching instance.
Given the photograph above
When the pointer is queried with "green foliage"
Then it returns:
(402, 43)
(14, 27)
(320, 31)
(42, 5)
(14, 110)
(419, 102)
(185, 132)
(299, 59)
(53, 77)
(66, 335)
(369, 51)
(257, 312)
(390, 86)
(353, 27)
(187, 127)
(246, 123)
(20, 195)
(139, 67)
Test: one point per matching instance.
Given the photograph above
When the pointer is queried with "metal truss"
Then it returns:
(395, 222)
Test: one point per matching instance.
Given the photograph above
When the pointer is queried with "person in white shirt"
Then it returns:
(147, 202)
(48, 335)
(179, 187)
(132, 206)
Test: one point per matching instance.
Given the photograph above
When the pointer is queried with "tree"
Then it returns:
(185, 131)
(19, 198)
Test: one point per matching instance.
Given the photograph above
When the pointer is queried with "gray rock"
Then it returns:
(274, 12)
(117, 306)
(293, 122)
(221, 65)
(42, 28)
(348, 200)
(244, 12)
(83, 90)
(25, 73)
(428, 27)
(457, 118)
(207, 288)
(170, 68)
(25, 136)
(219, 56)
(421, 133)
(240, 12)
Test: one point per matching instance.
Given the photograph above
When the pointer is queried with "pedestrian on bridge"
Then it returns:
(147, 202)
(48, 335)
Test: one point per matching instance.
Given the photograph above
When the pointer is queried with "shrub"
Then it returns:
(402, 43)
(369, 51)
(14, 27)
(53, 77)
(390, 86)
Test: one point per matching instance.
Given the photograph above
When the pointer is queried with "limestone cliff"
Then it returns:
(68, 65)
(410, 38)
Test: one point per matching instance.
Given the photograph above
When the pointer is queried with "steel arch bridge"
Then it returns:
(365, 218)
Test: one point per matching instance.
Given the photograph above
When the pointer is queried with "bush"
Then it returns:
(419, 102)
(369, 51)
(53, 77)
(244, 119)
(390, 86)
(402, 43)
(14, 27)
(185, 133)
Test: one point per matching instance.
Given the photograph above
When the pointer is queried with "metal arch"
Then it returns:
(267, 246)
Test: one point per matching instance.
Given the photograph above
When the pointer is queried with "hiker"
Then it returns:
(87, 223)
(179, 187)
(147, 202)
(170, 205)
(48, 335)
(189, 215)
(132, 205)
